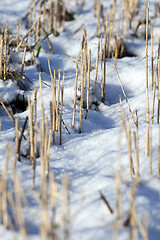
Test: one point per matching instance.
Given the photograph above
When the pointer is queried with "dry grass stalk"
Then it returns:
(140, 226)
(130, 149)
(44, 14)
(7, 200)
(104, 71)
(18, 204)
(27, 34)
(60, 127)
(152, 59)
(20, 139)
(53, 103)
(124, 94)
(136, 150)
(40, 85)
(1, 55)
(75, 95)
(77, 30)
(82, 88)
(43, 160)
(34, 14)
(118, 28)
(51, 117)
(132, 222)
(57, 117)
(98, 7)
(55, 18)
(106, 202)
(48, 135)
(154, 89)
(35, 129)
(158, 107)
(15, 203)
(107, 22)
(128, 138)
(147, 95)
(53, 192)
(51, 20)
(30, 106)
(109, 39)
(102, 17)
(24, 55)
(96, 71)
(112, 18)
(122, 23)
(58, 95)
(119, 198)
(38, 28)
(65, 213)
(137, 134)
(85, 56)
(4, 190)
(16, 134)
(158, 68)
(124, 36)
(10, 115)
(63, 15)
(48, 229)
(5, 55)
(88, 83)
(17, 38)
(48, 149)
(116, 50)
(45, 225)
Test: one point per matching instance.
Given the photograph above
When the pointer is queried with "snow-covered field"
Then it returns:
(96, 158)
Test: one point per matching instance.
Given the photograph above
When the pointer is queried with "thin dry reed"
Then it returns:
(82, 87)
(158, 102)
(88, 83)
(75, 95)
(152, 59)
(119, 198)
(116, 50)
(128, 138)
(136, 150)
(61, 112)
(96, 71)
(1, 56)
(147, 95)
(104, 72)
(124, 94)
(154, 90)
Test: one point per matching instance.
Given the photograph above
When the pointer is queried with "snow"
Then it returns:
(91, 158)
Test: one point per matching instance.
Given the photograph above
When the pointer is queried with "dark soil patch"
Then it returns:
(18, 105)
(122, 52)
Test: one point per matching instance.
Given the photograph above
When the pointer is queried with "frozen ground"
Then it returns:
(92, 157)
